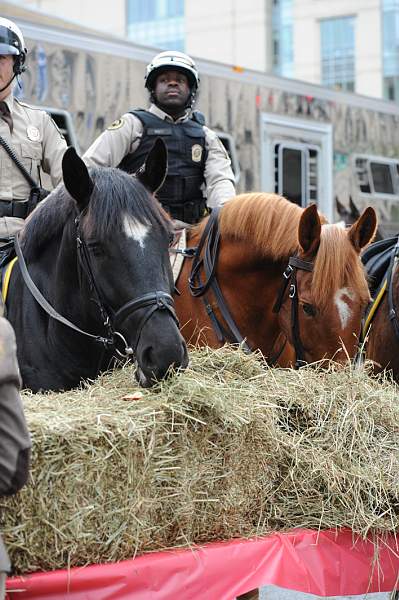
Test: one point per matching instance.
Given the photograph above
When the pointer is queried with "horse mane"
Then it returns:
(267, 221)
(115, 195)
(270, 223)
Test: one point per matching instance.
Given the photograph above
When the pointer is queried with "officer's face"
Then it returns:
(172, 90)
(6, 73)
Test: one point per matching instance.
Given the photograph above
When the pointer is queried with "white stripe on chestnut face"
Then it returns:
(343, 307)
(135, 230)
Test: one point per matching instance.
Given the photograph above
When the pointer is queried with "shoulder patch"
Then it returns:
(116, 124)
(25, 105)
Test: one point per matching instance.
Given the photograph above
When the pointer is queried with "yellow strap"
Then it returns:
(373, 308)
(6, 279)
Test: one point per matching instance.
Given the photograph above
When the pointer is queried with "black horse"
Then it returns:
(97, 249)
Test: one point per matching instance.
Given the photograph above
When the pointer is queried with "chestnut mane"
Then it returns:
(269, 224)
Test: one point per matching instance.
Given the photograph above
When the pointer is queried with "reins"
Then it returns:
(205, 257)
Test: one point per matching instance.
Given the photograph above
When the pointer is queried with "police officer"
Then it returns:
(28, 132)
(199, 169)
(15, 442)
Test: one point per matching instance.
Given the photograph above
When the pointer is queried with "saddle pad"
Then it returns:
(5, 278)
(176, 252)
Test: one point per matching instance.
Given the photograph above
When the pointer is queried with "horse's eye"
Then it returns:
(309, 309)
(95, 248)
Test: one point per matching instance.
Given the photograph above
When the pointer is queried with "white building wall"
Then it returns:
(238, 32)
(228, 31)
(93, 14)
(368, 42)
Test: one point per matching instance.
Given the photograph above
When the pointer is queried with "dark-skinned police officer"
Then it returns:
(199, 170)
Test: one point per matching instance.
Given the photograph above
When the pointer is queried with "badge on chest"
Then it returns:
(33, 133)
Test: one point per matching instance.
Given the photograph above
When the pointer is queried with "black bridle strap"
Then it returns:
(155, 300)
(46, 306)
(391, 302)
(289, 275)
(210, 243)
(211, 237)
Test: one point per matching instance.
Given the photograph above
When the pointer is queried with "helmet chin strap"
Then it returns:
(9, 83)
(189, 103)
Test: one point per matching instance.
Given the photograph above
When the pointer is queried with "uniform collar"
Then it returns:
(155, 110)
(9, 100)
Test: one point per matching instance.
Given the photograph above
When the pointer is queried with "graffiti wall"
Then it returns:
(97, 88)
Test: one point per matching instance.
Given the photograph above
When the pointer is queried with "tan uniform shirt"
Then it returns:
(37, 142)
(15, 441)
(123, 137)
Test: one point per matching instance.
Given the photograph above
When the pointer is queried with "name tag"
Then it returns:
(163, 131)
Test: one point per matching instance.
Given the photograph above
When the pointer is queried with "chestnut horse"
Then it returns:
(266, 271)
(382, 324)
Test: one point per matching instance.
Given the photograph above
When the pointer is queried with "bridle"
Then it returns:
(205, 257)
(151, 301)
(289, 278)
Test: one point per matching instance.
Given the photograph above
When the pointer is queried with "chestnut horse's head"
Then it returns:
(236, 278)
(326, 292)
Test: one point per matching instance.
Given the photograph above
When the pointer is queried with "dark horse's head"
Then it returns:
(112, 240)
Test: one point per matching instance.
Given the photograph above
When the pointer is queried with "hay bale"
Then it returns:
(226, 449)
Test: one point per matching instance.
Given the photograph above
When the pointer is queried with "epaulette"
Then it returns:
(28, 105)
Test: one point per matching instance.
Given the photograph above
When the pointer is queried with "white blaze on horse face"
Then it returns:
(343, 307)
(135, 230)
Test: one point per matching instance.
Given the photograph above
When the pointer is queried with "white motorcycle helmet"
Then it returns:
(172, 60)
(12, 42)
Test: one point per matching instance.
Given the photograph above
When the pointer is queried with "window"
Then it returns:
(390, 40)
(282, 37)
(382, 178)
(297, 172)
(338, 53)
(158, 23)
(377, 175)
(63, 120)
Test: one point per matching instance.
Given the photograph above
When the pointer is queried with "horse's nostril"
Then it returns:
(147, 359)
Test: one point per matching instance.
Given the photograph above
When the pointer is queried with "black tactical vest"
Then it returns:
(181, 192)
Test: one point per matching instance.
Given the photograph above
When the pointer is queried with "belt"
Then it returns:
(14, 208)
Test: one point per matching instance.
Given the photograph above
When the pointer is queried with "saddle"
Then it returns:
(376, 260)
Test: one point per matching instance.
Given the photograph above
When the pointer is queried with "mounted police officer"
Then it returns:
(15, 441)
(199, 170)
(29, 139)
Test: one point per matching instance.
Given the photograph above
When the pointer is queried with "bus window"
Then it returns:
(377, 175)
(297, 172)
(382, 178)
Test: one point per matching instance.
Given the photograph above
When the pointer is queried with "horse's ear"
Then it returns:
(354, 209)
(152, 174)
(76, 178)
(309, 230)
(364, 229)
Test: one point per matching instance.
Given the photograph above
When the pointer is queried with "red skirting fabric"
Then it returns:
(326, 563)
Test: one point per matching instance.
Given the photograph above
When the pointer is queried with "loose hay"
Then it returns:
(225, 449)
